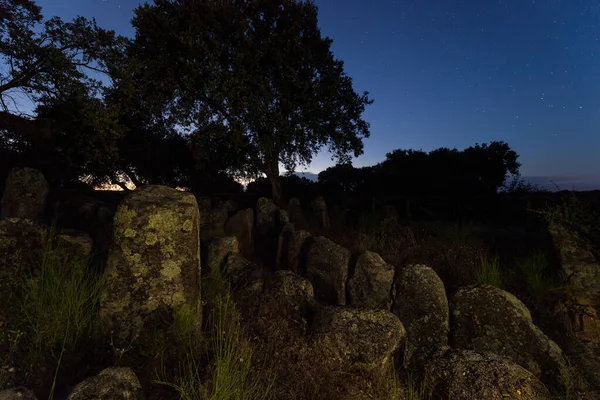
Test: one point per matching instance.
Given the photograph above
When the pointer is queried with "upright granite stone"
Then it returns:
(241, 225)
(217, 252)
(371, 283)
(283, 243)
(327, 269)
(421, 304)
(320, 214)
(18, 393)
(488, 319)
(463, 374)
(110, 384)
(294, 210)
(292, 257)
(293, 295)
(246, 277)
(154, 261)
(25, 194)
(358, 340)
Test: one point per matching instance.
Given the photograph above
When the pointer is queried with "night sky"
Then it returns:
(450, 73)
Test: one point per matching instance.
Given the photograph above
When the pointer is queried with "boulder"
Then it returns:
(18, 393)
(109, 384)
(421, 304)
(371, 282)
(212, 223)
(241, 225)
(283, 242)
(327, 269)
(292, 245)
(77, 242)
(463, 374)
(25, 194)
(231, 206)
(154, 261)
(245, 276)
(488, 319)
(295, 213)
(357, 340)
(267, 217)
(320, 214)
(217, 252)
(293, 295)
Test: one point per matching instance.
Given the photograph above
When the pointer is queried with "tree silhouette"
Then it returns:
(259, 71)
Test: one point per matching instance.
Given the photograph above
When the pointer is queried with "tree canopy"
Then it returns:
(258, 72)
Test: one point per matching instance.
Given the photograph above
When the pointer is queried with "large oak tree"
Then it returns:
(257, 72)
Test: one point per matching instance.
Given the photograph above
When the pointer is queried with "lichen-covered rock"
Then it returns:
(212, 223)
(154, 261)
(354, 340)
(77, 242)
(245, 276)
(485, 318)
(421, 304)
(371, 283)
(293, 295)
(217, 252)
(320, 214)
(25, 194)
(241, 225)
(327, 269)
(109, 384)
(463, 374)
(18, 393)
(292, 246)
(283, 243)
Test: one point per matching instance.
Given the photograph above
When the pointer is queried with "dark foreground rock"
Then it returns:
(109, 384)
(488, 319)
(25, 194)
(371, 283)
(18, 393)
(465, 375)
(327, 268)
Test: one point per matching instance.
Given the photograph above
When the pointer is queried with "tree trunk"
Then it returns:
(272, 172)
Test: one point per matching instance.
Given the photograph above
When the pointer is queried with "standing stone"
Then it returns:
(292, 295)
(217, 252)
(294, 210)
(231, 206)
(283, 243)
(371, 284)
(241, 225)
(154, 261)
(488, 319)
(18, 393)
(358, 340)
(327, 269)
(25, 194)
(320, 214)
(421, 303)
(293, 251)
(212, 223)
(246, 277)
(110, 384)
(267, 230)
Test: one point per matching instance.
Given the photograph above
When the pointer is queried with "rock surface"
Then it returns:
(421, 304)
(241, 225)
(25, 194)
(293, 295)
(462, 374)
(246, 277)
(327, 269)
(154, 262)
(283, 243)
(217, 252)
(18, 393)
(358, 340)
(371, 283)
(109, 384)
(294, 210)
(212, 223)
(488, 319)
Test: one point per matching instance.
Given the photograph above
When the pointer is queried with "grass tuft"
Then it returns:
(489, 272)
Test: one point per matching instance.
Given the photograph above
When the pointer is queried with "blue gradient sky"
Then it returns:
(455, 72)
